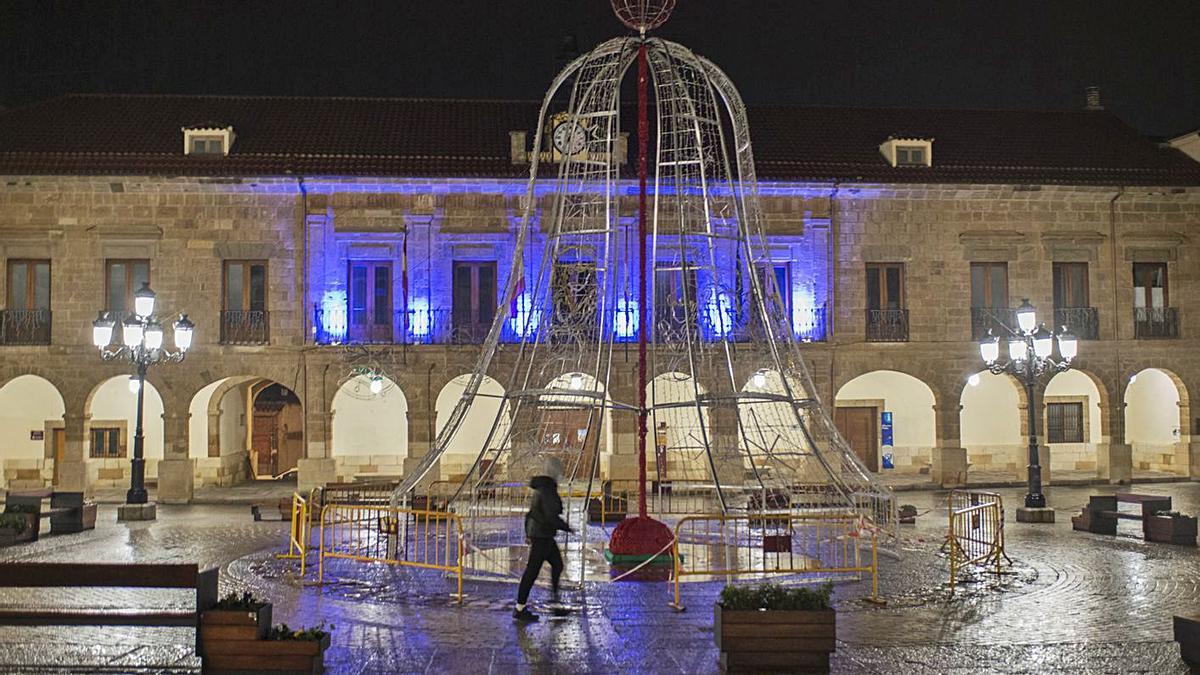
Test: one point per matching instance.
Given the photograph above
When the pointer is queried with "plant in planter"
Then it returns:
(1170, 527)
(768, 626)
(234, 618)
(15, 528)
(284, 649)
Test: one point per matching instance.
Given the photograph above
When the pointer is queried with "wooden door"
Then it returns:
(59, 442)
(859, 426)
(571, 435)
(264, 441)
(370, 301)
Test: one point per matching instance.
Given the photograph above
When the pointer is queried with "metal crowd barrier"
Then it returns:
(976, 534)
(767, 543)
(395, 536)
(301, 531)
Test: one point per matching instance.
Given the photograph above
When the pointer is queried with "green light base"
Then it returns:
(655, 559)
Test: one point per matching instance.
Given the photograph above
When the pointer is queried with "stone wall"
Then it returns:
(307, 230)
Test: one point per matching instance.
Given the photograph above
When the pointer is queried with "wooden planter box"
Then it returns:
(10, 536)
(1179, 530)
(1187, 634)
(218, 625)
(267, 656)
(791, 641)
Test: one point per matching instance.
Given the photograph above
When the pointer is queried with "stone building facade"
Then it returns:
(308, 253)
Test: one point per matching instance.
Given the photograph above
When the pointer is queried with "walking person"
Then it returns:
(542, 523)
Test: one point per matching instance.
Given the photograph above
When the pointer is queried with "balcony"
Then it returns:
(1002, 321)
(24, 327)
(448, 327)
(245, 327)
(1152, 323)
(1083, 322)
(887, 325)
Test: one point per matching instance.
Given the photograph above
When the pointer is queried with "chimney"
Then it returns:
(1093, 98)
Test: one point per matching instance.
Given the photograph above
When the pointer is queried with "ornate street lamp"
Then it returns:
(1030, 355)
(142, 345)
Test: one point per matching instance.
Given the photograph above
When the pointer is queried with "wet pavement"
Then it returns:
(1072, 602)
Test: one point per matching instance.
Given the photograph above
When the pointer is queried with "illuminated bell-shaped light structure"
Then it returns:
(690, 267)
(643, 15)
(184, 329)
(135, 385)
(1026, 316)
(1043, 342)
(102, 330)
(143, 300)
(1068, 344)
(989, 348)
(376, 384)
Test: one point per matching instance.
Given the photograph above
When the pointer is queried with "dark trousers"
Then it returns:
(541, 550)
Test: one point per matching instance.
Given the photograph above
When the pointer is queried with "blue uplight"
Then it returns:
(720, 313)
(333, 316)
(419, 317)
(625, 323)
(525, 319)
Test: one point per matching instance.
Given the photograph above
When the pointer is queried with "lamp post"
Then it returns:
(142, 345)
(1030, 350)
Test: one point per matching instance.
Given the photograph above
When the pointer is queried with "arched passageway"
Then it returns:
(475, 429)
(370, 429)
(111, 421)
(1070, 421)
(679, 430)
(1156, 414)
(32, 441)
(990, 424)
(862, 410)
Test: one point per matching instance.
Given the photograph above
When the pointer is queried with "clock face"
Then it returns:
(569, 138)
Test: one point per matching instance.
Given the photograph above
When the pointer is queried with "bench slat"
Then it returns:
(123, 575)
(30, 617)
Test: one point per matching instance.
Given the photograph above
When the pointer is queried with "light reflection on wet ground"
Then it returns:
(1072, 602)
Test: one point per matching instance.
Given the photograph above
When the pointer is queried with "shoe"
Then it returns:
(524, 616)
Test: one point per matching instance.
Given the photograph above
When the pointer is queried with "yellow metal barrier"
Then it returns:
(404, 537)
(976, 535)
(301, 530)
(774, 543)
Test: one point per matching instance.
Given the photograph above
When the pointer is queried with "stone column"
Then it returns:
(176, 473)
(723, 440)
(623, 464)
(317, 467)
(72, 475)
(949, 457)
(1114, 457)
(1194, 459)
(420, 443)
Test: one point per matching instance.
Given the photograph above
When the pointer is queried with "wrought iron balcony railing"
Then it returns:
(24, 327)
(245, 327)
(450, 327)
(1155, 322)
(1083, 322)
(887, 325)
(1002, 321)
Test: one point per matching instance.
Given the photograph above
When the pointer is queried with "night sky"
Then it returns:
(1144, 54)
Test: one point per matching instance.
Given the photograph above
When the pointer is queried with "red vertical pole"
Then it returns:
(643, 145)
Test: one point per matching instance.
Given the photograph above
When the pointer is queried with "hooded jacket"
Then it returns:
(544, 518)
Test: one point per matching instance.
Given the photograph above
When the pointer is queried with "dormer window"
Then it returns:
(907, 152)
(207, 141)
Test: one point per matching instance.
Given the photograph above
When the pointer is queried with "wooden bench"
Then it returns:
(1101, 514)
(1187, 634)
(108, 575)
(68, 511)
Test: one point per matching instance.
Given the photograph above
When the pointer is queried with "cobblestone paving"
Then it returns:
(1072, 603)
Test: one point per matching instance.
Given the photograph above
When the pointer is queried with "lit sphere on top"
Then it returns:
(643, 15)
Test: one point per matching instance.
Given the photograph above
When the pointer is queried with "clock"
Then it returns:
(569, 137)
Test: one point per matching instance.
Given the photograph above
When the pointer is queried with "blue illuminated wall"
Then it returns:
(477, 220)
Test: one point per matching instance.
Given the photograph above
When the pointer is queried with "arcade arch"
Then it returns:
(858, 412)
(31, 432)
(990, 423)
(370, 428)
(679, 429)
(111, 422)
(464, 447)
(1156, 414)
(1070, 421)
